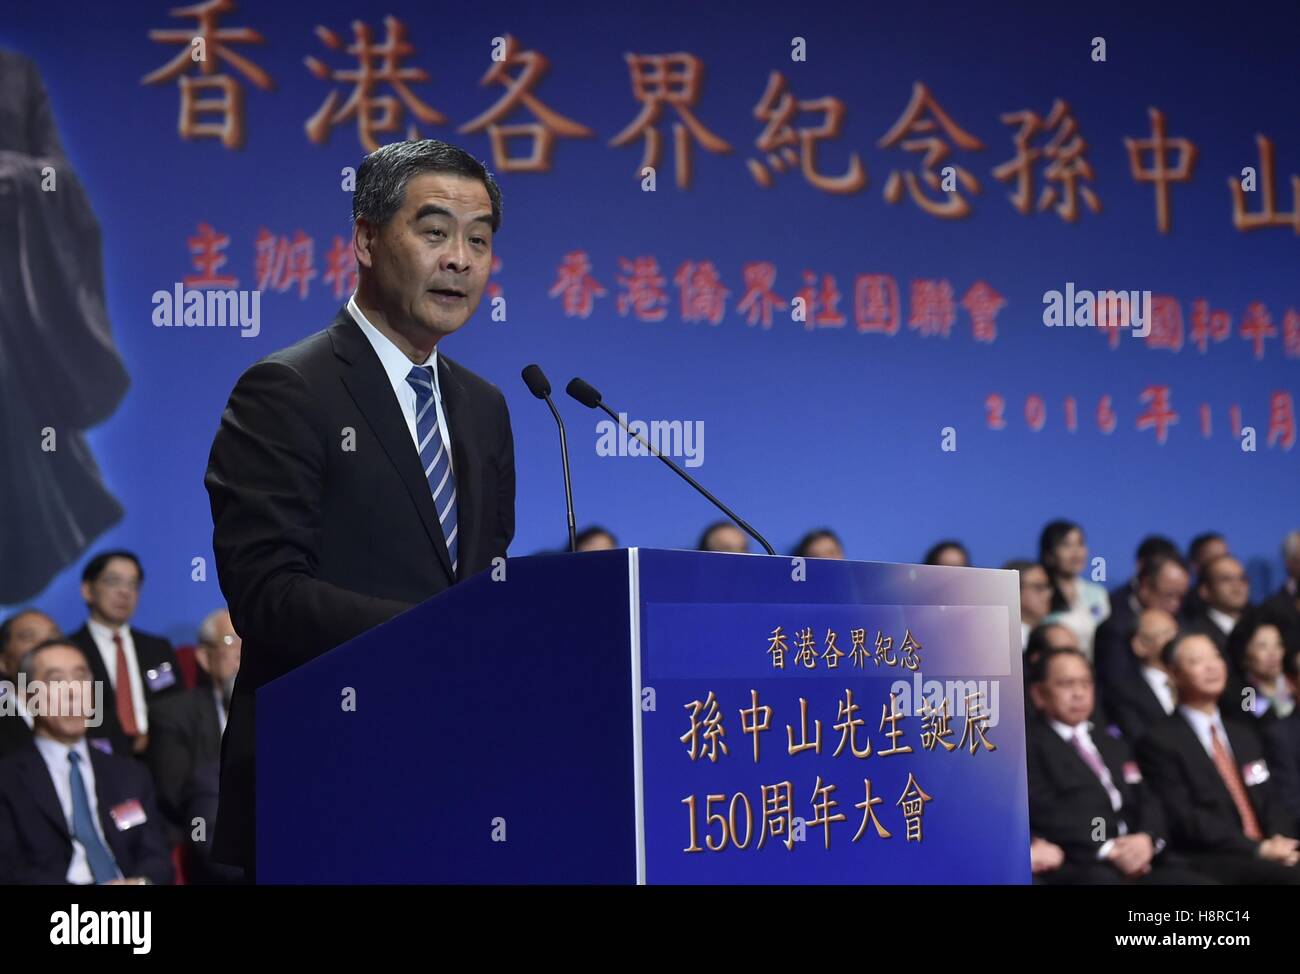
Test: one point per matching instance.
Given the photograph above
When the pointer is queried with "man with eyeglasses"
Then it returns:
(135, 667)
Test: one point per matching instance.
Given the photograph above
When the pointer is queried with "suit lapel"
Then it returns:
(41, 788)
(368, 385)
(464, 453)
(107, 796)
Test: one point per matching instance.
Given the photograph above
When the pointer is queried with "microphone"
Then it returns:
(538, 385)
(589, 396)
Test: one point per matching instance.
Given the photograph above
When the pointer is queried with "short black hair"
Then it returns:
(1156, 544)
(7, 627)
(1199, 544)
(801, 549)
(1151, 568)
(933, 553)
(383, 175)
(26, 664)
(95, 567)
(586, 534)
(1169, 651)
(1041, 664)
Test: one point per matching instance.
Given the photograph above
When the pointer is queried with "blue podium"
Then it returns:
(657, 716)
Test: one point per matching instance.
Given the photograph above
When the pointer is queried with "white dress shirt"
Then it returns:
(1225, 622)
(56, 760)
(1067, 734)
(9, 700)
(1158, 681)
(103, 637)
(397, 367)
(1201, 723)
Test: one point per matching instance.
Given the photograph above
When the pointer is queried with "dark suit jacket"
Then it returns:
(316, 544)
(1133, 704)
(1066, 799)
(35, 845)
(151, 653)
(1201, 813)
(184, 733)
(14, 735)
(1282, 742)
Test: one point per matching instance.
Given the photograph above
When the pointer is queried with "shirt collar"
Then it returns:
(396, 365)
(1067, 732)
(1221, 619)
(1202, 722)
(56, 753)
(100, 632)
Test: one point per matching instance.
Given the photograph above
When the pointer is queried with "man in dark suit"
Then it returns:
(361, 471)
(1086, 793)
(1224, 595)
(1144, 694)
(1161, 584)
(1217, 789)
(21, 632)
(110, 587)
(68, 812)
(187, 727)
(1284, 604)
(1282, 742)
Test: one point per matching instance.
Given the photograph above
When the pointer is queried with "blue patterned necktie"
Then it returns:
(434, 457)
(102, 866)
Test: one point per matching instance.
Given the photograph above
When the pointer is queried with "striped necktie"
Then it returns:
(435, 458)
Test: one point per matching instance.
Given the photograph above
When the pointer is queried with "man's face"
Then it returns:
(1067, 692)
(1166, 590)
(115, 594)
(726, 538)
(952, 557)
(439, 241)
(1215, 548)
(1035, 594)
(28, 630)
(220, 658)
(1225, 586)
(67, 705)
(1199, 670)
(1155, 628)
(825, 547)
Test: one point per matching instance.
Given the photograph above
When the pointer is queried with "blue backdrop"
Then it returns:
(804, 426)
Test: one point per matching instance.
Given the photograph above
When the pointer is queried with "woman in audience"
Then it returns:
(1077, 602)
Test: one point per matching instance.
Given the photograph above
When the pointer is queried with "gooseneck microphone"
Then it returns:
(586, 394)
(538, 385)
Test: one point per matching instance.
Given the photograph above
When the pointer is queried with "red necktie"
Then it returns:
(1232, 779)
(125, 706)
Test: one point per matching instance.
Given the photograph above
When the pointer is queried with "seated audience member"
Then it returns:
(1282, 742)
(822, 543)
(1077, 602)
(1284, 604)
(1224, 594)
(68, 812)
(1149, 547)
(19, 633)
(723, 536)
(594, 538)
(187, 727)
(110, 587)
(1035, 596)
(1204, 549)
(1162, 583)
(1044, 638)
(1259, 647)
(1224, 812)
(1140, 696)
(949, 552)
(1086, 793)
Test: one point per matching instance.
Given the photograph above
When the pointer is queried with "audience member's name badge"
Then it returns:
(1255, 773)
(160, 678)
(1132, 773)
(128, 814)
